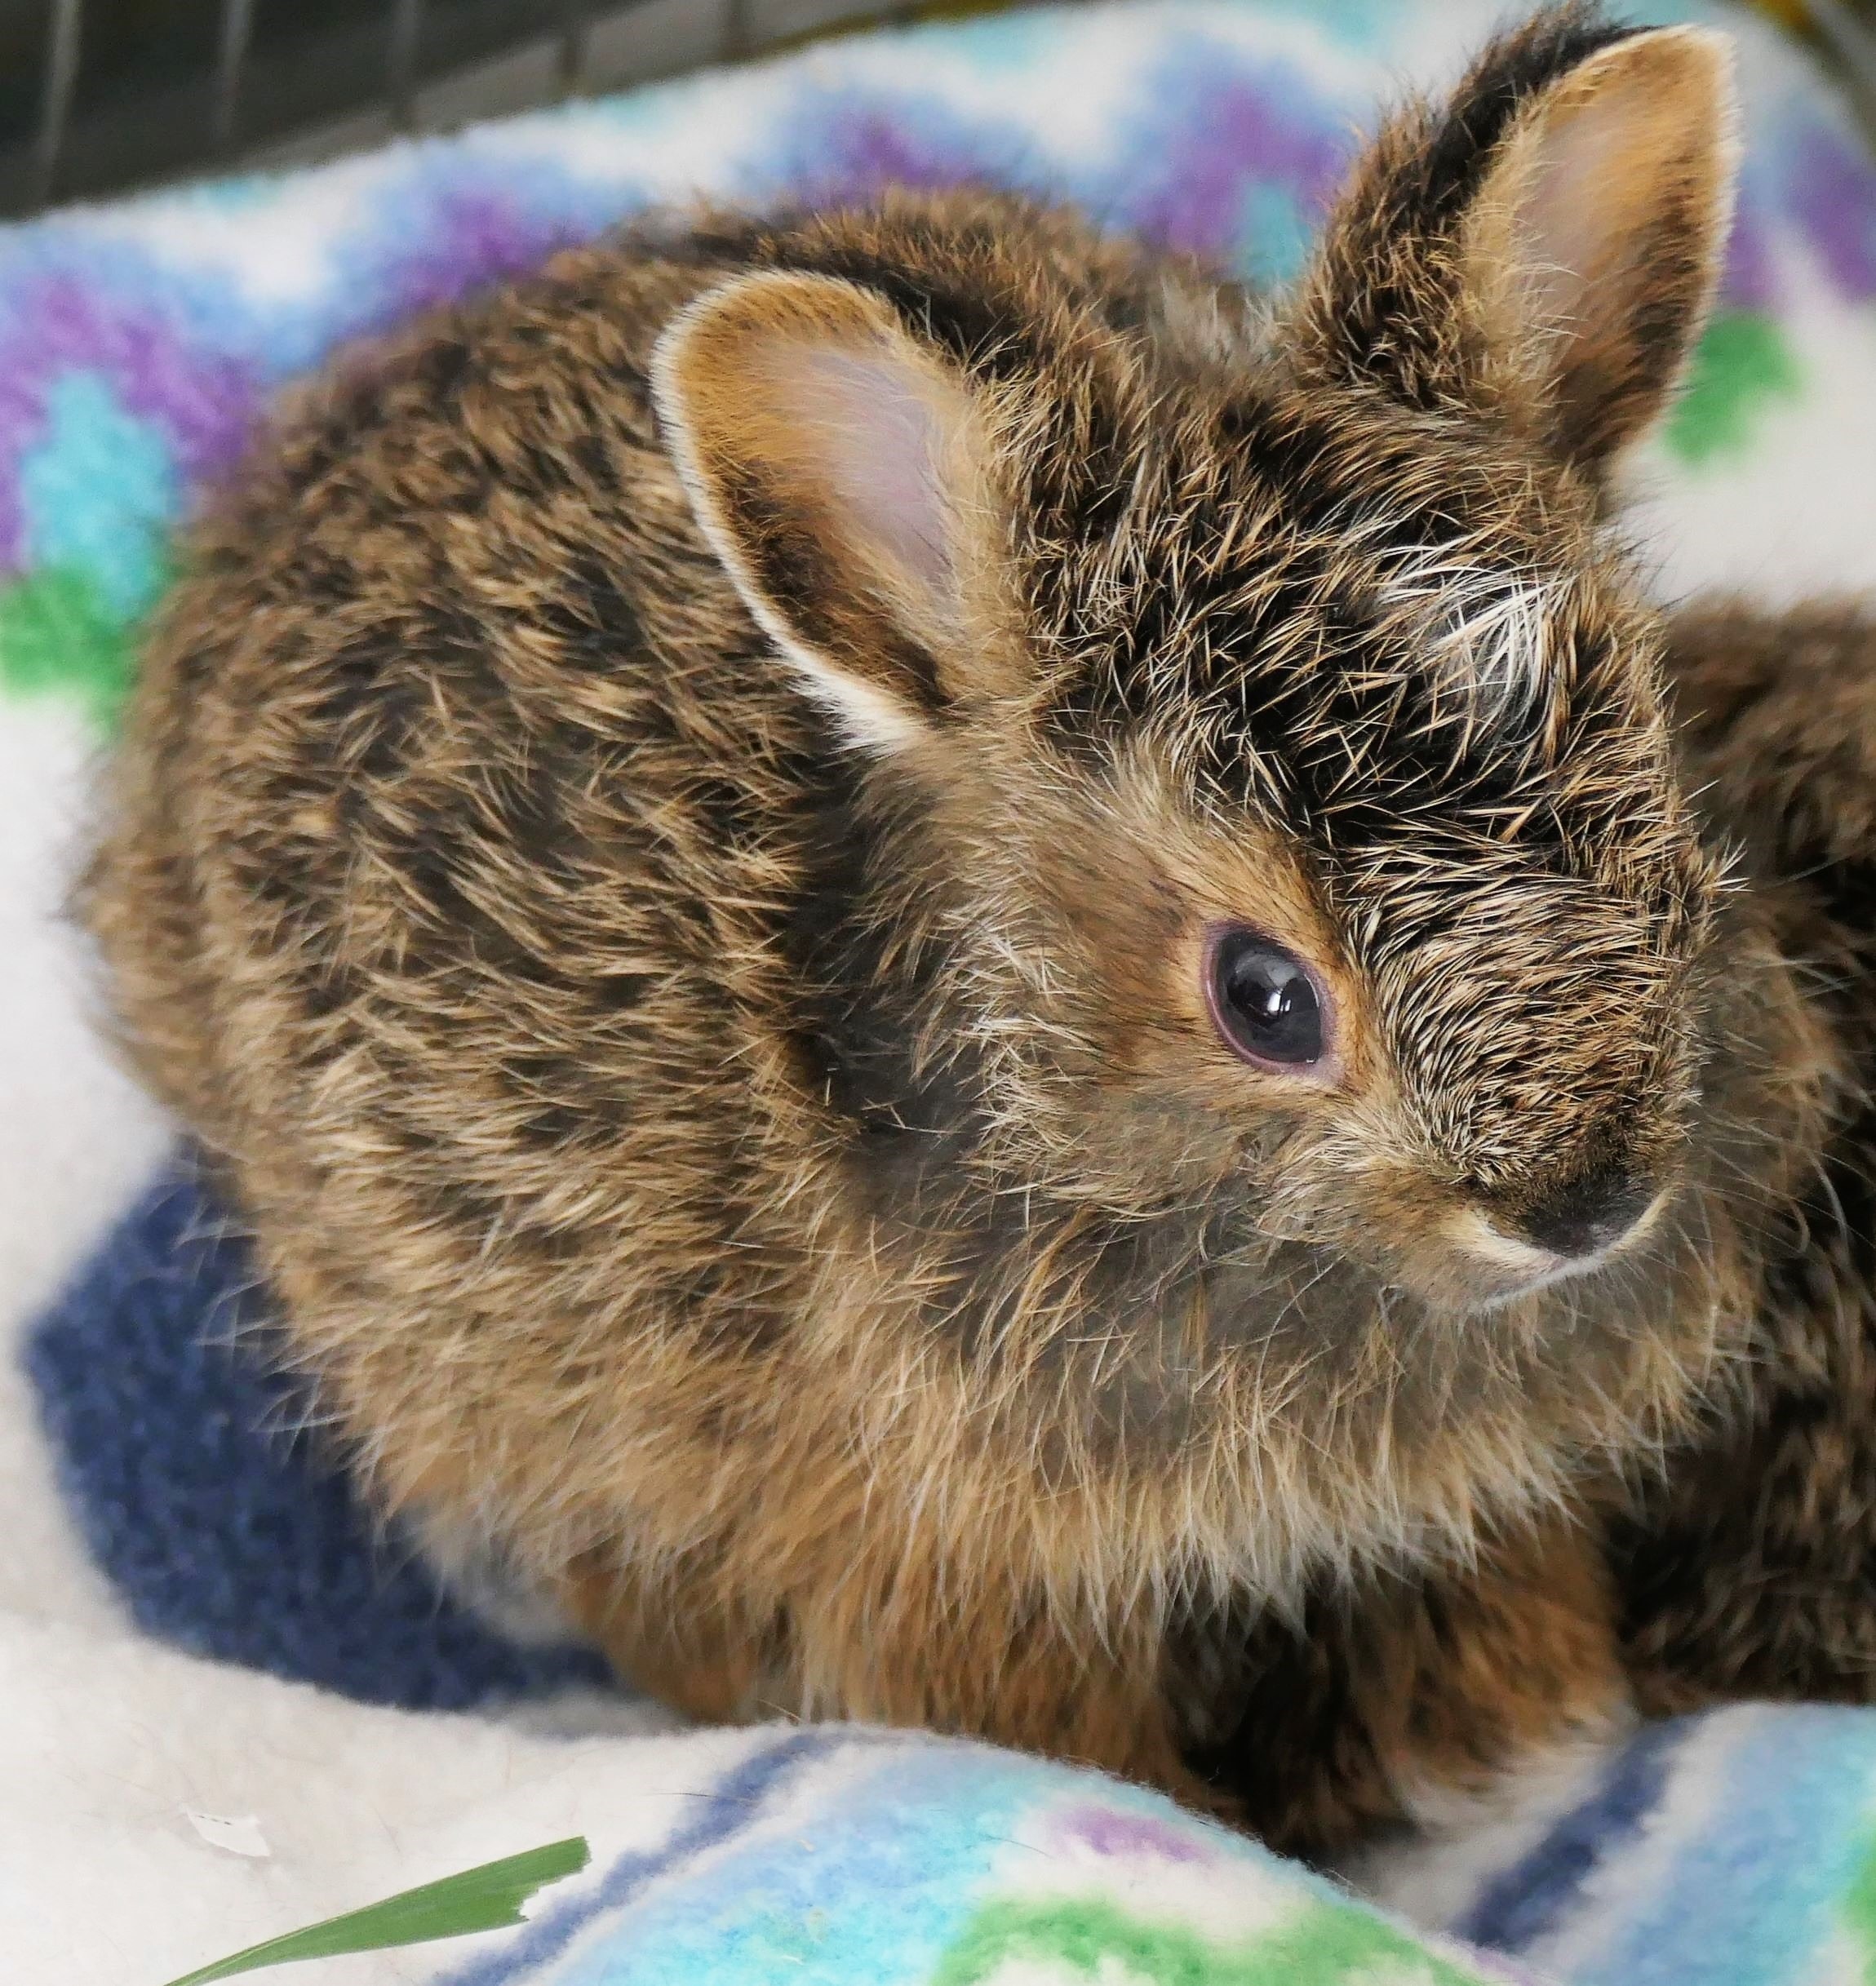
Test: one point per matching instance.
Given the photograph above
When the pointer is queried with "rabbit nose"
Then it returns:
(1593, 1211)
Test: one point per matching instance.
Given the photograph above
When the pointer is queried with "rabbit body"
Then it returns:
(1743, 1568)
(673, 844)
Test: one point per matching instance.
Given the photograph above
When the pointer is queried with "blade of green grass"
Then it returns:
(489, 1898)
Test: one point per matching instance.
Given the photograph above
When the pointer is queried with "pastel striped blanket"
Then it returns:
(234, 1705)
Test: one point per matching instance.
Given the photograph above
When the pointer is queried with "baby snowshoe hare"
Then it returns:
(978, 985)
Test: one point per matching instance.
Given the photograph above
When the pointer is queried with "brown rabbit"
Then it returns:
(1748, 1565)
(957, 972)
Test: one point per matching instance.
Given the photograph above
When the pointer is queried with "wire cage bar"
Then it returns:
(99, 96)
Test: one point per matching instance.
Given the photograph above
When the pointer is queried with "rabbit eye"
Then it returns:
(1264, 1000)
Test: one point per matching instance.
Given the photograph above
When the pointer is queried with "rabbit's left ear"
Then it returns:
(1548, 242)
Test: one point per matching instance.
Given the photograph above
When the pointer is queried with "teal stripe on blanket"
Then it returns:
(876, 1885)
(872, 1859)
(729, 1808)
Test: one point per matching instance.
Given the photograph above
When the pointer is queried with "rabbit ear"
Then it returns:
(840, 469)
(1549, 242)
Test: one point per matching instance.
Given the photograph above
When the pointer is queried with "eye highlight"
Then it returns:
(1264, 1000)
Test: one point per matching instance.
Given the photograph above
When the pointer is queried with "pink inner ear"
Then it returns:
(877, 435)
(1578, 206)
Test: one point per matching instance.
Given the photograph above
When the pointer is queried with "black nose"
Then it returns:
(1591, 1212)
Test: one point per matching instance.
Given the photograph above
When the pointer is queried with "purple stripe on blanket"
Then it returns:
(454, 225)
(1216, 134)
(835, 147)
(1832, 193)
(1109, 1831)
(57, 324)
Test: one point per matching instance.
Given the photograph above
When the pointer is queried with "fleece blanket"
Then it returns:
(232, 1703)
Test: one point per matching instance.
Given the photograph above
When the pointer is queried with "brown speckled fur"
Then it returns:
(784, 1191)
(1749, 1568)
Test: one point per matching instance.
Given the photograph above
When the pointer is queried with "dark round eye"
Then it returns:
(1263, 999)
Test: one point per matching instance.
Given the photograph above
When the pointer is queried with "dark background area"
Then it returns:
(99, 96)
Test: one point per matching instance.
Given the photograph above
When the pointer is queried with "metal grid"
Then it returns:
(97, 96)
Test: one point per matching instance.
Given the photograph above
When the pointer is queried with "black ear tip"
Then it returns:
(1511, 71)
(1425, 188)
(1580, 261)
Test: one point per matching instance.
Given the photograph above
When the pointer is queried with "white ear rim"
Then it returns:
(867, 718)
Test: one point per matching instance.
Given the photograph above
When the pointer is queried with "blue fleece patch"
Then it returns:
(224, 1528)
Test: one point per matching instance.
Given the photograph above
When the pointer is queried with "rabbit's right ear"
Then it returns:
(841, 468)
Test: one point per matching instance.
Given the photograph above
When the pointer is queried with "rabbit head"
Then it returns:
(1283, 731)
